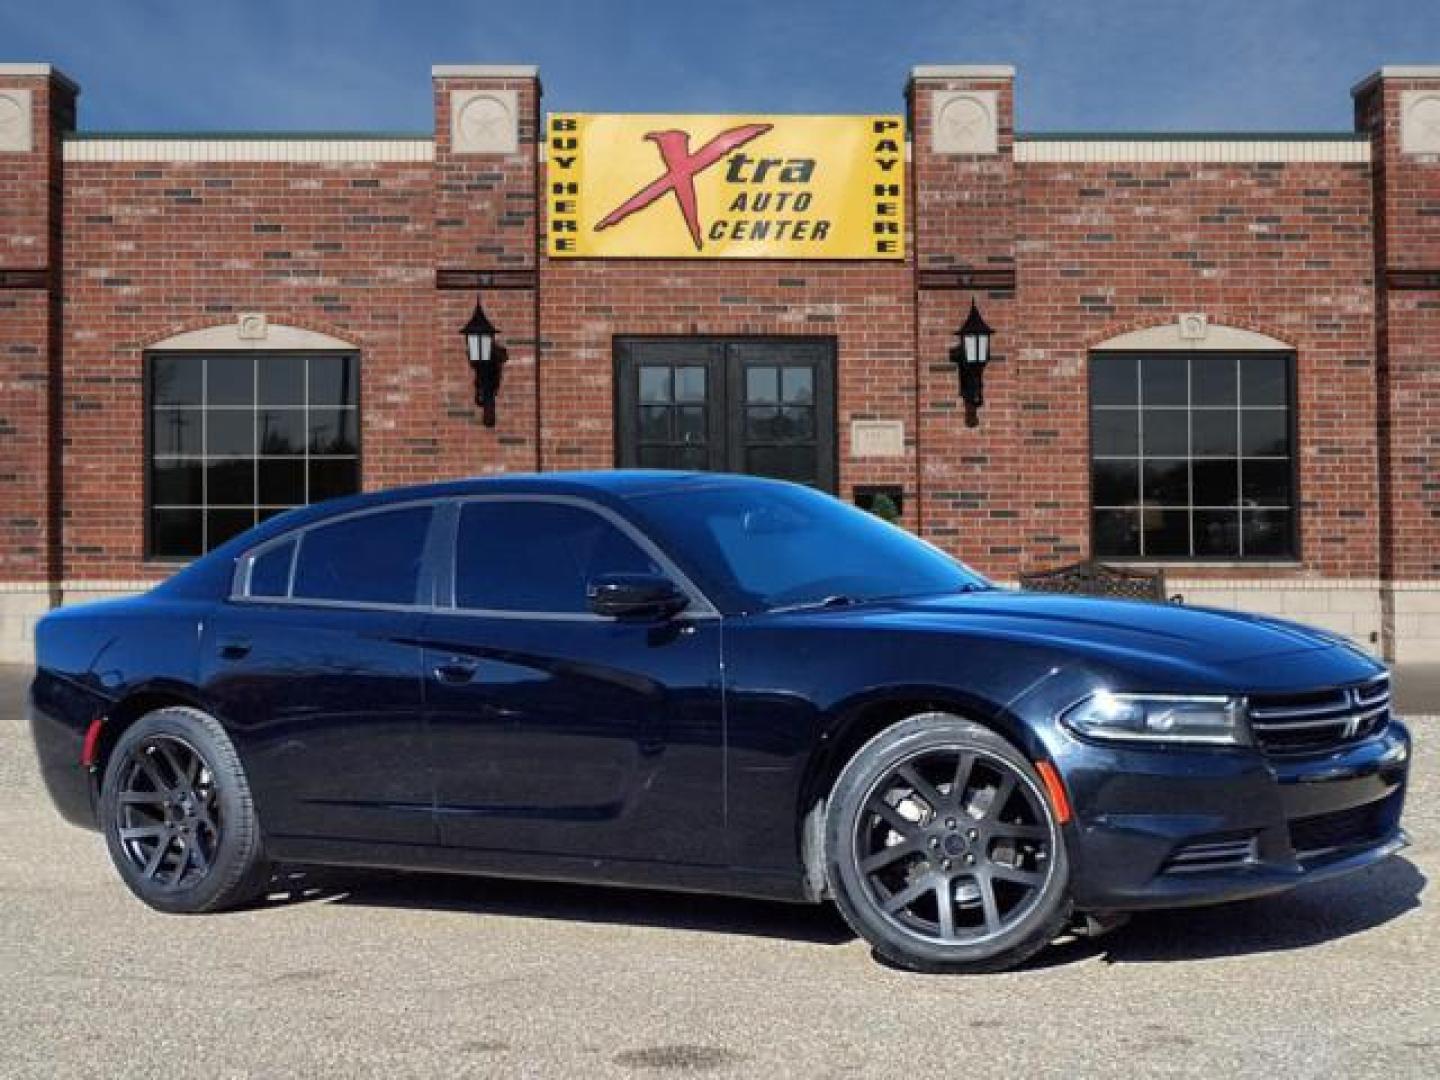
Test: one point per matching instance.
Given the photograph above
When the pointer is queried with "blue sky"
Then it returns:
(364, 64)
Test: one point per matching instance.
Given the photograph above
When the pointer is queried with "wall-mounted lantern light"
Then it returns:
(487, 357)
(970, 356)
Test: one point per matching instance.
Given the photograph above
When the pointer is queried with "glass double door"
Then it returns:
(764, 406)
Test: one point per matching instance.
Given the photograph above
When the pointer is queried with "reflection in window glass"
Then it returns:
(1191, 455)
(234, 439)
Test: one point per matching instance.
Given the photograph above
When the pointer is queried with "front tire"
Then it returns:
(942, 850)
(178, 817)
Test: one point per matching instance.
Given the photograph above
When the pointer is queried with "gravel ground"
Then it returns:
(395, 975)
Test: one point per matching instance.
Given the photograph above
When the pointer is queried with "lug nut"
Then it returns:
(969, 860)
(934, 842)
(973, 834)
(950, 823)
(945, 864)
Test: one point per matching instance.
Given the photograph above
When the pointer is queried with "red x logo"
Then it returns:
(681, 168)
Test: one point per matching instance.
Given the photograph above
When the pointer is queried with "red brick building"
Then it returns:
(1213, 353)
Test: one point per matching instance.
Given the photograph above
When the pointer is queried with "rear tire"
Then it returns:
(942, 850)
(178, 817)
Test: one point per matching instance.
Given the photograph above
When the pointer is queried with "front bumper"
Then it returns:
(1155, 828)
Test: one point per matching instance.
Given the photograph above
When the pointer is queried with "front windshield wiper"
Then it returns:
(837, 600)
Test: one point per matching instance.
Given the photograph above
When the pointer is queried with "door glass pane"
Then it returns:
(1216, 483)
(373, 558)
(1164, 381)
(689, 384)
(282, 482)
(270, 572)
(1214, 433)
(762, 386)
(1212, 382)
(332, 431)
(1265, 432)
(1166, 432)
(690, 423)
(330, 478)
(1263, 381)
(655, 423)
(280, 431)
(1167, 482)
(655, 384)
(226, 524)
(797, 385)
(537, 557)
(1266, 532)
(1265, 483)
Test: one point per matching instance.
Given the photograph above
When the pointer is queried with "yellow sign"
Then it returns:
(728, 187)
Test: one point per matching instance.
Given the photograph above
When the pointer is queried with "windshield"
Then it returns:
(761, 546)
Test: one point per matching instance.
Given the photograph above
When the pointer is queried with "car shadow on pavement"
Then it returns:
(568, 903)
(1308, 916)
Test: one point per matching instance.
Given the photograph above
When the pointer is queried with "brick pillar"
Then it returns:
(37, 105)
(1400, 108)
(486, 243)
(963, 178)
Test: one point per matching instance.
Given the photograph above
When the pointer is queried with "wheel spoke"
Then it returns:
(143, 832)
(1002, 796)
(151, 771)
(157, 856)
(182, 861)
(907, 895)
(1015, 874)
(963, 768)
(886, 856)
(179, 771)
(197, 854)
(988, 902)
(921, 786)
(892, 817)
(945, 904)
(142, 798)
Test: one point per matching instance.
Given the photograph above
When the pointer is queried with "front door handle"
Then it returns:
(456, 671)
(234, 649)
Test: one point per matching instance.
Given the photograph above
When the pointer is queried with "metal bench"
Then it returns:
(1090, 578)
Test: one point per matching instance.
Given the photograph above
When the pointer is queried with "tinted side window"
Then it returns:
(270, 571)
(373, 558)
(537, 556)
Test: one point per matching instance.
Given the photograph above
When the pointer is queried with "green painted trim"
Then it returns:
(1191, 136)
(250, 136)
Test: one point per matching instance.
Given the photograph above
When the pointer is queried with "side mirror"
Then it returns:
(636, 596)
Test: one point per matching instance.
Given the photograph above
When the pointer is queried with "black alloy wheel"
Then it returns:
(943, 850)
(170, 822)
(177, 814)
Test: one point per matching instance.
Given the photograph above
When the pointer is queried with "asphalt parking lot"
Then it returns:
(391, 976)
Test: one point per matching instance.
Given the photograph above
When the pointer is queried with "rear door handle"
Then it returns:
(456, 671)
(234, 649)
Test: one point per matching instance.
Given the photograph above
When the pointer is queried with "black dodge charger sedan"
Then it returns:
(712, 683)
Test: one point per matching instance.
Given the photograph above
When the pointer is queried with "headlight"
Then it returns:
(1216, 721)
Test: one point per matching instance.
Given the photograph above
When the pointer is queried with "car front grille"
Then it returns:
(1320, 720)
(1356, 826)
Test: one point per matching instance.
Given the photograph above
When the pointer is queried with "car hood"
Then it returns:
(1174, 631)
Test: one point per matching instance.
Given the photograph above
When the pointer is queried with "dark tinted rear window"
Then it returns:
(270, 572)
(372, 559)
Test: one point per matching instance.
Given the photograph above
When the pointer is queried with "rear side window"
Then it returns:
(369, 559)
(537, 556)
(270, 571)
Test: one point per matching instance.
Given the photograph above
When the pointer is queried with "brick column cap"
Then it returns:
(962, 71)
(485, 71)
(1396, 71)
(39, 71)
